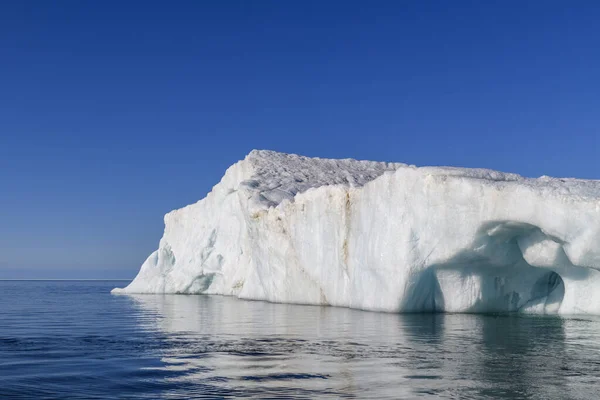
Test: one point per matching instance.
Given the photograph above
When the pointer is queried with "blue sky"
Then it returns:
(112, 113)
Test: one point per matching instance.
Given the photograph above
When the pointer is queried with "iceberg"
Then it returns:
(384, 237)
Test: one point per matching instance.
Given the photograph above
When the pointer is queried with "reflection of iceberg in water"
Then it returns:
(261, 349)
(488, 356)
(219, 346)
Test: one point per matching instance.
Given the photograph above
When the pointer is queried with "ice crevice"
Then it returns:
(385, 237)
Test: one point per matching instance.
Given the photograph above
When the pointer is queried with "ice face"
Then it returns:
(386, 237)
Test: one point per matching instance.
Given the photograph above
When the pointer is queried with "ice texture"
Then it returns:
(385, 237)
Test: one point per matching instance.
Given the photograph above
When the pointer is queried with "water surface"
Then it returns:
(73, 339)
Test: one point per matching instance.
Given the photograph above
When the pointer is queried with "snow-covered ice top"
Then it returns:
(385, 236)
(280, 176)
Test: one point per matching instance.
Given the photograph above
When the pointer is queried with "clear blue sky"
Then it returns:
(112, 113)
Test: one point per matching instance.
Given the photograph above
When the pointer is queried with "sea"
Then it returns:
(76, 340)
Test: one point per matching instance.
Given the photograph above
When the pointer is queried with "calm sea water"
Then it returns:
(70, 339)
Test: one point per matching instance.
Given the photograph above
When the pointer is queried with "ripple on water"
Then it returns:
(75, 340)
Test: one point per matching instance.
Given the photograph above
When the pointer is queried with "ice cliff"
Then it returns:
(384, 236)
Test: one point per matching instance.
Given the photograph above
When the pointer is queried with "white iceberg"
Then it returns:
(385, 237)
